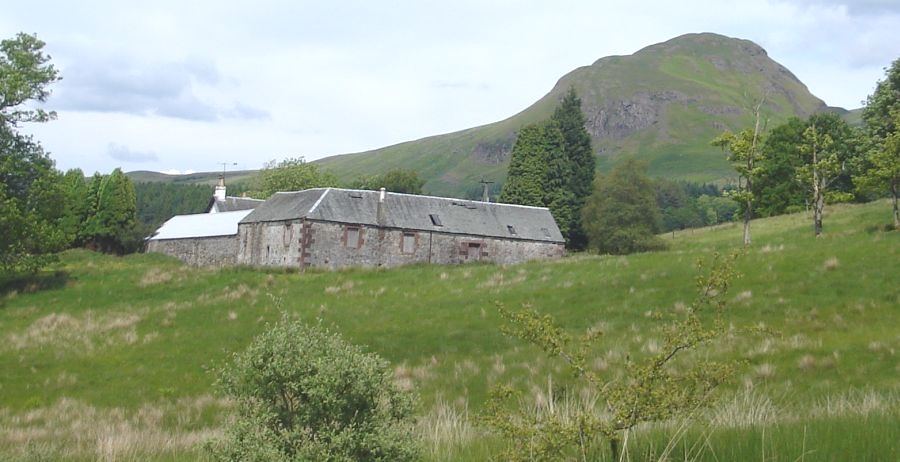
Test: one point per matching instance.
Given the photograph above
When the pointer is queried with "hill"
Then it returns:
(109, 357)
(663, 104)
(209, 178)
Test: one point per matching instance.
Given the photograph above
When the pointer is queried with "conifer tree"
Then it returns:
(570, 120)
(527, 169)
(111, 213)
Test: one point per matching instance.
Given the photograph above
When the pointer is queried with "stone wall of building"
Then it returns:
(199, 251)
(306, 243)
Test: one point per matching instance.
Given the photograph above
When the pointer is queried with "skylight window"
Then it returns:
(511, 229)
(435, 219)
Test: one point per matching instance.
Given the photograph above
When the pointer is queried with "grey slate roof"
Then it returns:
(407, 211)
(233, 204)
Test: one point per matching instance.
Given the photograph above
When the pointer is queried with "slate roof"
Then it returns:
(200, 225)
(233, 204)
(413, 212)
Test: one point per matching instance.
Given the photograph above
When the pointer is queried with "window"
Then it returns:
(435, 219)
(288, 235)
(546, 232)
(351, 237)
(474, 251)
(408, 242)
(511, 229)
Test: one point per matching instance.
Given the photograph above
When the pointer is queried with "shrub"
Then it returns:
(303, 393)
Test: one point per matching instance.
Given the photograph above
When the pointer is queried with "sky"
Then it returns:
(178, 86)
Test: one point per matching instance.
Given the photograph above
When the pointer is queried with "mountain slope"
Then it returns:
(663, 104)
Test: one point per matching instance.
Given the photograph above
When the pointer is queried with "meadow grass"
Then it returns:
(119, 339)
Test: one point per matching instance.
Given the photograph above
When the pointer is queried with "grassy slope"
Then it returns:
(677, 146)
(126, 338)
(210, 178)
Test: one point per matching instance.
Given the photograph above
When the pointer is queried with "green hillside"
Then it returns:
(663, 104)
(210, 178)
(107, 357)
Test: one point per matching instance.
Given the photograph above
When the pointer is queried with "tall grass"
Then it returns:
(120, 334)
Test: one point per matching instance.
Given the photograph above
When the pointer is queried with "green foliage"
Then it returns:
(621, 216)
(579, 155)
(745, 156)
(777, 181)
(881, 105)
(75, 192)
(290, 175)
(25, 73)
(397, 180)
(157, 202)
(527, 169)
(117, 334)
(881, 165)
(643, 388)
(304, 394)
(30, 197)
(821, 161)
(552, 165)
(111, 221)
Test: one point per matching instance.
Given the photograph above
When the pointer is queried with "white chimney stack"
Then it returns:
(219, 194)
(380, 213)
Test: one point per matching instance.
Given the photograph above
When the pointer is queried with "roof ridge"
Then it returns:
(503, 204)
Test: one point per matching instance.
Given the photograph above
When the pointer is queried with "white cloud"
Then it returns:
(124, 154)
(204, 82)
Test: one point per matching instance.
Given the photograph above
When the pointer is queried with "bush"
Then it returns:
(303, 393)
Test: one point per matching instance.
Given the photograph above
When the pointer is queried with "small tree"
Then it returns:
(653, 387)
(303, 393)
(290, 175)
(744, 153)
(622, 216)
(826, 146)
(397, 180)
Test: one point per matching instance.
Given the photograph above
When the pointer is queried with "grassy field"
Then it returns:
(108, 358)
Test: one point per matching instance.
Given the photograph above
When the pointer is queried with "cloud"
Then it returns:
(168, 89)
(124, 154)
(245, 112)
(855, 7)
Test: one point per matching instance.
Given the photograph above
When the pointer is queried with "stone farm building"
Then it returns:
(335, 228)
(202, 239)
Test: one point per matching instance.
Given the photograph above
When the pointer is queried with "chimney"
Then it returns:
(484, 190)
(380, 214)
(220, 189)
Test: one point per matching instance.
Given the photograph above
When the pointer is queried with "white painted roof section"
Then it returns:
(313, 209)
(201, 225)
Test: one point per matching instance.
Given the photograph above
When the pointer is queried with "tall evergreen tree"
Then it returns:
(570, 120)
(527, 169)
(112, 214)
(557, 178)
(552, 165)
(75, 191)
